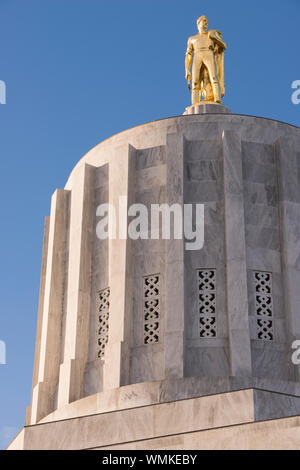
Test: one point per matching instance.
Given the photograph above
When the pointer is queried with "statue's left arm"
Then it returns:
(216, 36)
(219, 48)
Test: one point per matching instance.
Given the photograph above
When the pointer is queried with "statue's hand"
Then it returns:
(188, 75)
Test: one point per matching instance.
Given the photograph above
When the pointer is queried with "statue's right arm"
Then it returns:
(188, 59)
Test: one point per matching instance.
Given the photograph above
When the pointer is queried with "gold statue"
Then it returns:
(207, 77)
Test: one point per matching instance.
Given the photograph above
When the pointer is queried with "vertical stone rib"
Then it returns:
(40, 314)
(41, 302)
(235, 246)
(76, 341)
(93, 374)
(129, 279)
(121, 274)
(289, 210)
(174, 320)
(50, 342)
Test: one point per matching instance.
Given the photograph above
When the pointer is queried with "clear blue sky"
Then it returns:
(78, 71)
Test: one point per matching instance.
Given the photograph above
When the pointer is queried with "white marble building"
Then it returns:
(211, 366)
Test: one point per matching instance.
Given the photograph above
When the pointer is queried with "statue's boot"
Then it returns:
(195, 96)
(217, 92)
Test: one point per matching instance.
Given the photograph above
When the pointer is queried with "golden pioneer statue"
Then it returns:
(207, 77)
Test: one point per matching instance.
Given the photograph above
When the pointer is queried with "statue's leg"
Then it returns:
(206, 88)
(196, 82)
(213, 75)
(195, 95)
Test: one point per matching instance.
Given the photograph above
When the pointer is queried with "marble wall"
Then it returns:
(245, 170)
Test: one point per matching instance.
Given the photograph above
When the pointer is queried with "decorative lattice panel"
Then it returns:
(151, 302)
(207, 303)
(103, 319)
(264, 305)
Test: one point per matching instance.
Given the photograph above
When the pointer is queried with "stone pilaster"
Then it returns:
(235, 256)
(174, 321)
(117, 353)
(76, 336)
(41, 302)
(93, 375)
(289, 208)
(50, 309)
(40, 314)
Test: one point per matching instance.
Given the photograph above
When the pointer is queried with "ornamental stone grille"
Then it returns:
(103, 319)
(151, 302)
(207, 303)
(264, 305)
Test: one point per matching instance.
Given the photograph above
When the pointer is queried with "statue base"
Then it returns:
(207, 107)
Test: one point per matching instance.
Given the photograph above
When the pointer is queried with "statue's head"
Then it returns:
(202, 23)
